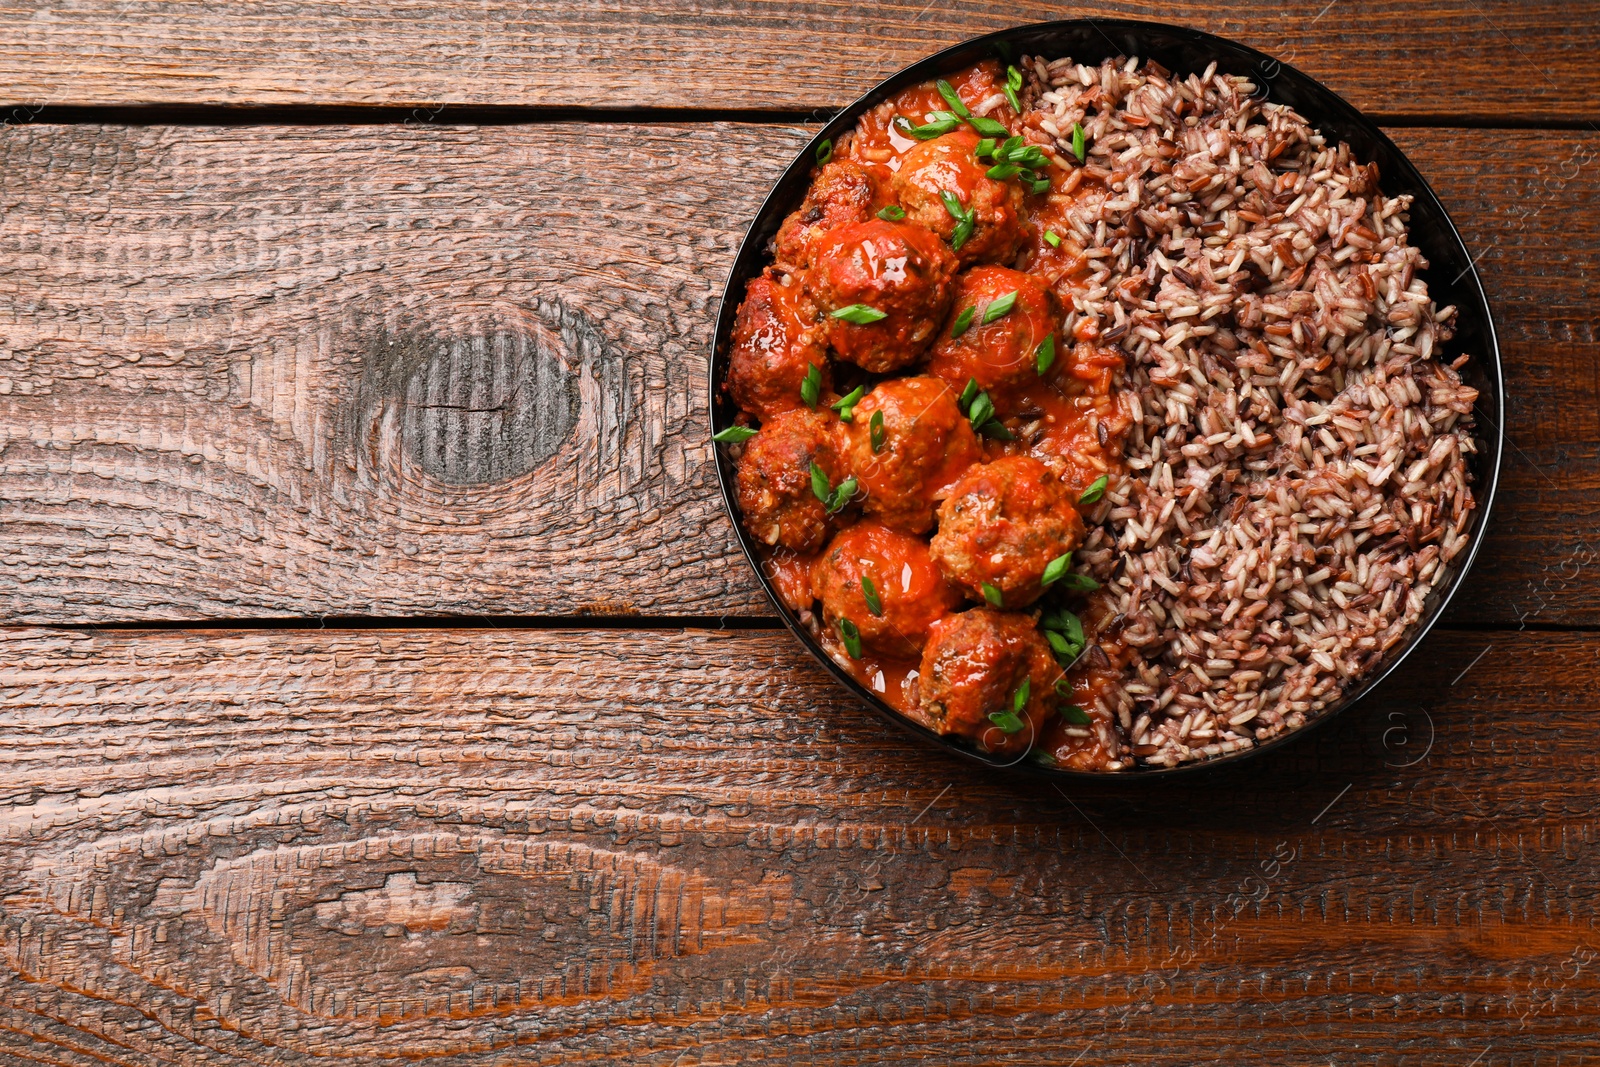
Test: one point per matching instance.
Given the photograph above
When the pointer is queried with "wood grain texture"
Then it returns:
(435, 370)
(473, 847)
(1447, 60)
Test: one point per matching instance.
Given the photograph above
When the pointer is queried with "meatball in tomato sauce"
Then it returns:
(886, 584)
(948, 165)
(1003, 354)
(776, 341)
(908, 442)
(1000, 527)
(883, 288)
(844, 192)
(975, 666)
(774, 482)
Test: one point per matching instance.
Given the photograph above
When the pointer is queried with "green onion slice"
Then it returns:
(869, 592)
(876, 427)
(734, 435)
(1045, 354)
(824, 151)
(1096, 490)
(860, 314)
(852, 638)
(1079, 142)
(820, 487)
(1055, 569)
(1006, 720)
(811, 386)
(952, 99)
(846, 404)
(999, 306)
(969, 393)
(892, 213)
(1020, 699)
(988, 127)
(1052, 238)
(1076, 715)
(963, 321)
(992, 594)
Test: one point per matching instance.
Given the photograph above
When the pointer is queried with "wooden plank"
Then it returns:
(230, 848)
(435, 370)
(1447, 60)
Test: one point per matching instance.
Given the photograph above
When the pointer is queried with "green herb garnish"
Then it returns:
(1055, 569)
(860, 314)
(952, 99)
(1013, 83)
(1045, 355)
(966, 219)
(942, 123)
(734, 435)
(1052, 238)
(1076, 715)
(1020, 699)
(852, 638)
(963, 321)
(869, 592)
(992, 594)
(1001, 171)
(1078, 583)
(1096, 490)
(875, 425)
(833, 498)
(824, 151)
(1041, 185)
(987, 126)
(811, 386)
(892, 213)
(1006, 720)
(1079, 142)
(846, 405)
(968, 394)
(821, 488)
(985, 149)
(999, 306)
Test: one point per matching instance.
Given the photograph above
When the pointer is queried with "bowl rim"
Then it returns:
(1490, 438)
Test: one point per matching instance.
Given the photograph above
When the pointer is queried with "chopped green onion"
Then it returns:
(1052, 238)
(1078, 583)
(1079, 142)
(969, 393)
(892, 213)
(1042, 758)
(1064, 649)
(962, 232)
(846, 405)
(869, 592)
(985, 149)
(999, 306)
(1020, 700)
(1001, 171)
(1054, 570)
(734, 435)
(876, 427)
(811, 386)
(988, 127)
(992, 594)
(963, 321)
(1096, 490)
(841, 496)
(1042, 185)
(1045, 354)
(996, 429)
(952, 99)
(1076, 715)
(1063, 621)
(981, 411)
(820, 487)
(852, 638)
(1006, 720)
(1013, 83)
(824, 151)
(860, 314)
(936, 128)
(953, 204)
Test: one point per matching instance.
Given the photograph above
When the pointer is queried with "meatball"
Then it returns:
(973, 667)
(776, 339)
(947, 164)
(911, 594)
(773, 482)
(923, 444)
(1002, 524)
(900, 272)
(1002, 355)
(843, 192)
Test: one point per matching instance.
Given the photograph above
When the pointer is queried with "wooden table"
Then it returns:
(383, 683)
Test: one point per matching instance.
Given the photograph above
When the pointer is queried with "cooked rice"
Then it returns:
(1298, 454)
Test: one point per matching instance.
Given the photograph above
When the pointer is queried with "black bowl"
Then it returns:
(1452, 279)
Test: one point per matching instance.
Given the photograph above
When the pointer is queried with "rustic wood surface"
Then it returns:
(425, 370)
(257, 366)
(1447, 60)
(274, 847)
